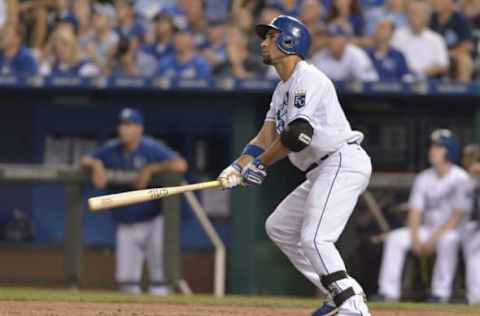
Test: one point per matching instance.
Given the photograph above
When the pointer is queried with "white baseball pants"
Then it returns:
(135, 243)
(310, 219)
(471, 254)
(395, 249)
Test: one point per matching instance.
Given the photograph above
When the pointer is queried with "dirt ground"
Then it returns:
(104, 309)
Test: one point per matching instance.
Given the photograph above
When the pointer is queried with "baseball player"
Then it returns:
(438, 202)
(306, 123)
(140, 226)
(471, 234)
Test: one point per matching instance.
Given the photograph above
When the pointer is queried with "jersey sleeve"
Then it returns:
(305, 98)
(103, 152)
(162, 152)
(417, 195)
(363, 68)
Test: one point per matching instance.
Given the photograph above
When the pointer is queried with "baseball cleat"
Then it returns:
(327, 309)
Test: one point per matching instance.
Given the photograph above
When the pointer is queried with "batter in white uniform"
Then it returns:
(306, 123)
(438, 202)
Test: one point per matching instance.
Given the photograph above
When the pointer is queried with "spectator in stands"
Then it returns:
(288, 7)
(311, 14)
(164, 30)
(348, 14)
(389, 63)
(438, 202)
(62, 56)
(128, 25)
(457, 33)
(186, 63)
(61, 12)
(8, 13)
(395, 10)
(140, 227)
(83, 12)
(343, 61)
(425, 50)
(215, 51)
(15, 59)
(471, 9)
(130, 60)
(197, 23)
(101, 42)
(240, 64)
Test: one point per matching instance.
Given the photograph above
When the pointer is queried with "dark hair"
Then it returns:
(355, 10)
(123, 47)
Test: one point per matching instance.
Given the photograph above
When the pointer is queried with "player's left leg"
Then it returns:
(336, 187)
(445, 265)
(129, 257)
(284, 226)
(154, 254)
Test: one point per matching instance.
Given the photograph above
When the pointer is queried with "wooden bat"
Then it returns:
(127, 198)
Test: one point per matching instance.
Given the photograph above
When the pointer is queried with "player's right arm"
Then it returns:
(416, 204)
(231, 176)
(98, 173)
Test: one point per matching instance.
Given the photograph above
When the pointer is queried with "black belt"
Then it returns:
(316, 164)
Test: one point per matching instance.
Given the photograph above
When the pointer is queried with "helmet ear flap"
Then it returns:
(286, 43)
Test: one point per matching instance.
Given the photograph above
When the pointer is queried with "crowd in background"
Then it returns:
(363, 40)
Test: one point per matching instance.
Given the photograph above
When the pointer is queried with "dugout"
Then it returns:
(209, 122)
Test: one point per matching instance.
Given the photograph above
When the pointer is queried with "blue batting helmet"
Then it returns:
(294, 38)
(446, 138)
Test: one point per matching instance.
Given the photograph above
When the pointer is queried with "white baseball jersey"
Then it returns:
(309, 94)
(422, 51)
(353, 65)
(438, 196)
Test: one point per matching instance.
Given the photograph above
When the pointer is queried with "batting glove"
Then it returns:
(254, 173)
(231, 176)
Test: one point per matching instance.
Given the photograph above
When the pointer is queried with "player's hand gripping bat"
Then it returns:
(132, 197)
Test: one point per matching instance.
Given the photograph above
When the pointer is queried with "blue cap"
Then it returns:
(131, 116)
(339, 30)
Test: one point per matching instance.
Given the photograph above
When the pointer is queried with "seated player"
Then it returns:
(140, 226)
(438, 202)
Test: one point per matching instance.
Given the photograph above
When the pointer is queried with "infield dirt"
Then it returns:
(109, 309)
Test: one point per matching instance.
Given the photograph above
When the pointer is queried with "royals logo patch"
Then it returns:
(299, 100)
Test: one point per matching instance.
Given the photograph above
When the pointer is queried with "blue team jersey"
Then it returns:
(22, 64)
(159, 51)
(391, 66)
(137, 29)
(196, 68)
(70, 71)
(114, 157)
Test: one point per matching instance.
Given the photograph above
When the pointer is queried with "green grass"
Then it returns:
(56, 295)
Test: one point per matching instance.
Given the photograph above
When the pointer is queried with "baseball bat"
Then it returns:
(132, 197)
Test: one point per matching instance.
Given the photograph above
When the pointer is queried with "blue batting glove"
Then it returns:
(254, 173)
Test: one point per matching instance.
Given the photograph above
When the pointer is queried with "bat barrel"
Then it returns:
(133, 197)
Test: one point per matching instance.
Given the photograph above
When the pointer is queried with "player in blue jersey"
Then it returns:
(140, 226)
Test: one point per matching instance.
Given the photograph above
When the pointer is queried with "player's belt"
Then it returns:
(316, 164)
